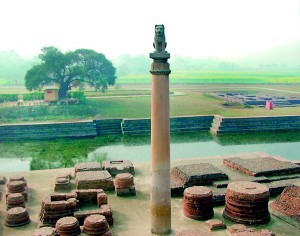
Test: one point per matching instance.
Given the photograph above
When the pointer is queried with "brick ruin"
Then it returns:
(287, 206)
(248, 99)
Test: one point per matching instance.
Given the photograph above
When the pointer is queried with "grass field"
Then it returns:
(212, 77)
(195, 101)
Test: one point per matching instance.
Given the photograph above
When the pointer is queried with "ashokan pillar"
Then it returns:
(160, 198)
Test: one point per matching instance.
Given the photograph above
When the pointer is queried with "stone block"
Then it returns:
(104, 210)
(197, 174)
(118, 166)
(61, 196)
(94, 180)
(88, 196)
(101, 199)
(52, 210)
(262, 166)
(215, 224)
(87, 166)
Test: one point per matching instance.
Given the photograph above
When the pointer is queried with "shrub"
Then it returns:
(77, 95)
(33, 96)
(8, 97)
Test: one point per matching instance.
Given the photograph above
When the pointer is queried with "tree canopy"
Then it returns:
(82, 66)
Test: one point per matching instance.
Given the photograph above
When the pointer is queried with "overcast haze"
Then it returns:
(206, 28)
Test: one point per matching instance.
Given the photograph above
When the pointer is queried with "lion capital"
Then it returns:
(159, 43)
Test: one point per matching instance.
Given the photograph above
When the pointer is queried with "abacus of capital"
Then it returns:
(160, 198)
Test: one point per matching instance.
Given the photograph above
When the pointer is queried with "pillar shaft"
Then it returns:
(160, 199)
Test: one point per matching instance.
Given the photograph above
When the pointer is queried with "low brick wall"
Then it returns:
(39, 131)
(108, 126)
(177, 124)
(216, 124)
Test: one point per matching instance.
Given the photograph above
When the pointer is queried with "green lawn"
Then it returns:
(195, 101)
(135, 107)
(114, 92)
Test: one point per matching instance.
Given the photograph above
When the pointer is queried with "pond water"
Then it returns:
(65, 153)
(204, 145)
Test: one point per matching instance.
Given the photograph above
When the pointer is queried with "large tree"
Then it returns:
(70, 68)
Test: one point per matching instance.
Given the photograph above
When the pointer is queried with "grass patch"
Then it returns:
(196, 101)
(45, 113)
(233, 105)
(117, 93)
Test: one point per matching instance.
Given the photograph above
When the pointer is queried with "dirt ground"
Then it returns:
(131, 214)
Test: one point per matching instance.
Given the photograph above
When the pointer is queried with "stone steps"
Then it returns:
(254, 124)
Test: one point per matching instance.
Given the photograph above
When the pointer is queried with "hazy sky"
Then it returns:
(197, 28)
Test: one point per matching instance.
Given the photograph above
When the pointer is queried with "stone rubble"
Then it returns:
(215, 224)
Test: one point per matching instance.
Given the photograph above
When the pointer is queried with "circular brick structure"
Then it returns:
(247, 203)
(124, 180)
(17, 216)
(45, 231)
(62, 180)
(197, 203)
(16, 178)
(67, 226)
(15, 200)
(96, 225)
(16, 186)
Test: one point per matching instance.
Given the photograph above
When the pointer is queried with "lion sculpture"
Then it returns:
(159, 43)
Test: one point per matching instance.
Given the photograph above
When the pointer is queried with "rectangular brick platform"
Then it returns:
(94, 180)
(87, 166)
(197, 174)
(118, 166)
(266, 166)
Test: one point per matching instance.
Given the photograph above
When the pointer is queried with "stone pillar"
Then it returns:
(160, 199)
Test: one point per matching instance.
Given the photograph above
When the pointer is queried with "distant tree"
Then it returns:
(13, 67)
(82, 66)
